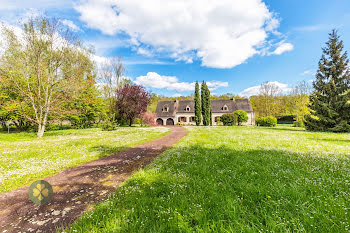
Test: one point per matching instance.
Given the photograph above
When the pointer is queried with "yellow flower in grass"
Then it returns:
(40, 191)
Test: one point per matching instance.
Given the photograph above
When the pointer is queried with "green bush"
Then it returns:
(229, 119)
(298, 123)
(52, 126)
(137, 121)
(109, 125)
(242, 116)
(269, 121)
(218, 121)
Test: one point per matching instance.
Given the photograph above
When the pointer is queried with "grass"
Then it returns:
(24, 158)
(235, 179)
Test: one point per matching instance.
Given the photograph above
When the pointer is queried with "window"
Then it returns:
(225, 108)
(188, 108)
(192, 119)
(165, 108)
(182, 119)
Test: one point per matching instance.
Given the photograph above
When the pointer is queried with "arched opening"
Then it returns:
(159, 121)
(169, 121)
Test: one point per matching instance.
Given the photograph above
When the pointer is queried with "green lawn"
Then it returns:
(235, 179)
(24, 158)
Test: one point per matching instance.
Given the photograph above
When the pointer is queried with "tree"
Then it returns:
(111, 77)
(206, 105)
(86, 107)
(299, 100)
(148, 118)
(268, 91)
(197, 105)
(268, 121)
(330, 100)
(229, 119)
(268, 102)
(242, 116)
(132, 101)
(12, 108)
(36, 66)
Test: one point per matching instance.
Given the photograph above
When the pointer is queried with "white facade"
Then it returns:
(188, 119)
(182, 111)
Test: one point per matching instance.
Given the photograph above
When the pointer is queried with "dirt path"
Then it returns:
(76, 189)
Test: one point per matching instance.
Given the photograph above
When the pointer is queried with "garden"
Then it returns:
(24, 158)
(235, 179)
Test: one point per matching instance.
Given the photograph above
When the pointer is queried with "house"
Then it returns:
(182, 111)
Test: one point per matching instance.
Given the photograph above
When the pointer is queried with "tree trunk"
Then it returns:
(41, 130)
(130, 122)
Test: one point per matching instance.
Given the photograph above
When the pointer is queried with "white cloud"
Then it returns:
(255, 89)
(177, 95)
(222, 34)
(155, 80)
(99, 60)
(71, 25)
(103, 44)
(273, 24)
(144, 52)
(307, 72)
(282, 48)
(213, 85)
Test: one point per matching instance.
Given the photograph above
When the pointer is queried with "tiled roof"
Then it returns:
(170, 105)
(217, 106)
(183, 104)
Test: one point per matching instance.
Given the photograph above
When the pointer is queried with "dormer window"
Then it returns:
(225, 108)
(188, 108)
(165, 108)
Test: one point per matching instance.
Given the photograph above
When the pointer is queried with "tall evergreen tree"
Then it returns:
(330, 101)
(206, 106)
(209, 106)
(197, 105)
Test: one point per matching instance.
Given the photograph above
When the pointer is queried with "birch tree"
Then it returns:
(111, 77)
(34, 65)
(268, 91)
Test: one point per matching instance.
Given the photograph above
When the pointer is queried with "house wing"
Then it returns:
(184, 104)
(171, 105)
(244, 104)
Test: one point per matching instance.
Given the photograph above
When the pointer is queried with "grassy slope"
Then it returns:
(24, 158)
(236, 179)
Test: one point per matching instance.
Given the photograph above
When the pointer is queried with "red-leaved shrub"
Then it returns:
(148, 118)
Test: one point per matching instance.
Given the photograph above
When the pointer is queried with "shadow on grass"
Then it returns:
(286, 129)
(331, 140)
(226, 190)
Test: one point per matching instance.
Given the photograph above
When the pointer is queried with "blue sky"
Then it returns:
(234, 45)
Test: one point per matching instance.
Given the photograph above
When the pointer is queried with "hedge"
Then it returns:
(229, 119)
(269, 121)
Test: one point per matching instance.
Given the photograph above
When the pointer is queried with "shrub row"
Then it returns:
(269, 121)
(229, 119)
